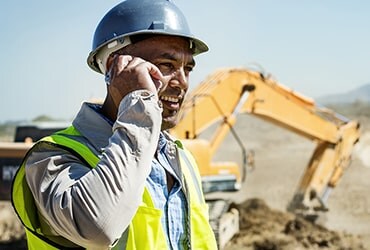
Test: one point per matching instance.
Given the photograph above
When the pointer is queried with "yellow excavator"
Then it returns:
(219, 99)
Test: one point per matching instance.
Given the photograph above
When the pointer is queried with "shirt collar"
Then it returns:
(162, 142)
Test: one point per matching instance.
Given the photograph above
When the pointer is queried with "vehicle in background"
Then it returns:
(12, 153)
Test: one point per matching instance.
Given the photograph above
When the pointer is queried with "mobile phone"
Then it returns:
(108, 76)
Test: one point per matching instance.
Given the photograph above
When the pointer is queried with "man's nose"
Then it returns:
(180, 78)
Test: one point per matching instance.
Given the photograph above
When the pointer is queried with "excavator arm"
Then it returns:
(229, 92)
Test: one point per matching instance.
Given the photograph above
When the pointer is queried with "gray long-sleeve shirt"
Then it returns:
(85, 205)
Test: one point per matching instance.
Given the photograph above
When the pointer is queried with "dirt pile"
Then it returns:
(10, 228)
(262, 228)
(12, 234)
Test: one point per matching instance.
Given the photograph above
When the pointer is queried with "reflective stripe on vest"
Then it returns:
(145, 230)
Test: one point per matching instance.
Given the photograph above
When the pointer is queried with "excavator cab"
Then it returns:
(216, 176)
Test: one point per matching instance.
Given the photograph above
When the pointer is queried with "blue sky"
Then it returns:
(314, 47)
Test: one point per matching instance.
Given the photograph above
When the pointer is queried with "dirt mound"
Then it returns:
(262, 228)
(12, 235)
(10, 227)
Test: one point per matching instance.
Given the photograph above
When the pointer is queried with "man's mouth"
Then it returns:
(170, 98)
(172, 102)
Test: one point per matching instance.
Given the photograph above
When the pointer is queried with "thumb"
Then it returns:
(156, 76)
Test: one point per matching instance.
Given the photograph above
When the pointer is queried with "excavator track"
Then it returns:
(224, 220)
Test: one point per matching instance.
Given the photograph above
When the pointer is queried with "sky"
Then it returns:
(314, 47)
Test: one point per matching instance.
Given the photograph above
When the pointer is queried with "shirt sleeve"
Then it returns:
(93, 207)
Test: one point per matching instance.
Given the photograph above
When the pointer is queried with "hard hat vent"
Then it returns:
(157, 25)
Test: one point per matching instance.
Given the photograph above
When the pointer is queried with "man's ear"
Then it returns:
(109, 62)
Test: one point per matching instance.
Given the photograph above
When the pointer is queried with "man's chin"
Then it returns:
(168, 123)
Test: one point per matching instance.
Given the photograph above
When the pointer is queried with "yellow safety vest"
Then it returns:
(145, 230)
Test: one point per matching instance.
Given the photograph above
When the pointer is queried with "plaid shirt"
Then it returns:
(173, 204)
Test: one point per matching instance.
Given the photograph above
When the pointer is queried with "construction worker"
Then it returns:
(115, 179)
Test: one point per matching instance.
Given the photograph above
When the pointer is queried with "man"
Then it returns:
(115, 178)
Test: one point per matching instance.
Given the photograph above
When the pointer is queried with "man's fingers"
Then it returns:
(123, 61)
(158, 84)
(156, 76)
(130, 73)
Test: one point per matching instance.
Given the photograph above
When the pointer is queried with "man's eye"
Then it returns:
(189, 68)
(166, 65)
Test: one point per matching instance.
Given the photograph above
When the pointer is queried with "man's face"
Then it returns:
(173, 56)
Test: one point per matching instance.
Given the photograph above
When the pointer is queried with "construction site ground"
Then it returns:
(280, 158)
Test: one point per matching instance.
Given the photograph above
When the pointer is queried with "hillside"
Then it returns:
(361, 94)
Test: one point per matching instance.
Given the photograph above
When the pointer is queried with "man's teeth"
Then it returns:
(170, 99)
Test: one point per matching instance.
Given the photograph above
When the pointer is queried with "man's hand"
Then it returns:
(129, 73)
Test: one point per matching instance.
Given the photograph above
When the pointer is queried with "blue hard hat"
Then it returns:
(135, 17)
